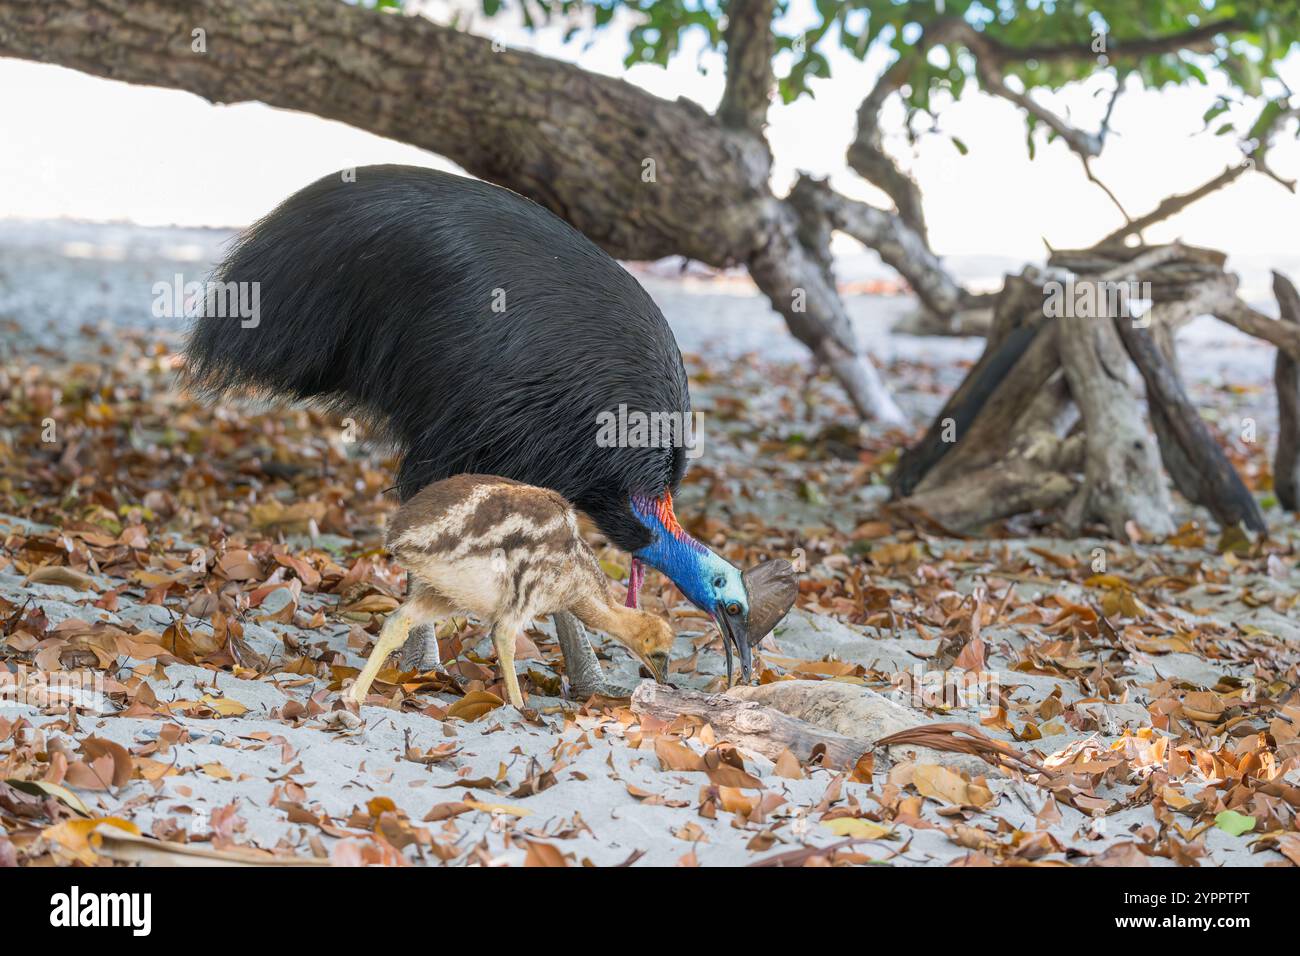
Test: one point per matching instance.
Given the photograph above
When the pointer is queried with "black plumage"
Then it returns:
(476, 329)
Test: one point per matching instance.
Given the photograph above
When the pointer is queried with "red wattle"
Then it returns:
(634, 583)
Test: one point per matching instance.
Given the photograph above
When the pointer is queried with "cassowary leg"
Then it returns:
(580, 663)
(420, 652)
(394, 634)
(503, 639)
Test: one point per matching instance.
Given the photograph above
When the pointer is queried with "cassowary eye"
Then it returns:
(733, 608)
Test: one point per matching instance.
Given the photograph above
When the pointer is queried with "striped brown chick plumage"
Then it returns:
(506, 553)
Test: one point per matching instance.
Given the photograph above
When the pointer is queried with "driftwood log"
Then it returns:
(992, 432)
(1033, 474)
(836, 723)
(1282, 334)
(749, 725)
(1122, 479)
(1181, 467)
(963, 406)
(1048, 419)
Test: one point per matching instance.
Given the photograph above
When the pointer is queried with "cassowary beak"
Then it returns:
(735, 631)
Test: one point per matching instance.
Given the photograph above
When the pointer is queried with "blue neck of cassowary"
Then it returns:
(706, 579)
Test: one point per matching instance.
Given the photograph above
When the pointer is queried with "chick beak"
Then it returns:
(735, 632)
(657, 664)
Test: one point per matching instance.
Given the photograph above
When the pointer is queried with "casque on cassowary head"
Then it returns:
(482, 334)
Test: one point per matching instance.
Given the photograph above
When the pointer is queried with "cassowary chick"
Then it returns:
(504, 552)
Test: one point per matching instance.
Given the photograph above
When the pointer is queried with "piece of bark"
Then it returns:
(856, 713)
(844, 709)
(1122, 477)
(1166, 317)
(1202, 462)
(1286, 378)
(749, 725)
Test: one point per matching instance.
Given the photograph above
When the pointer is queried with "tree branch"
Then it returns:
(798, 286)
(1286, 379)
(1284, 335)
(1196, 38)
(1215, 483)
(577, 142)
(1085, 144)
(1261, 135)
(750, 48)
(1122, 477)
(988, 66)
(867, 156)
(898, 245)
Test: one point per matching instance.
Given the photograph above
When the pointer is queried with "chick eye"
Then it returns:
(733, 608)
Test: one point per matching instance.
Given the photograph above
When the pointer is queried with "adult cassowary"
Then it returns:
(482, 334)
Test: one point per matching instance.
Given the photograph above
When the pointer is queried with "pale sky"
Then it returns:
(81, 147)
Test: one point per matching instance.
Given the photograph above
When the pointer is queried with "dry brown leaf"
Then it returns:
(940, 783)
(674, 755)
(543, 854)
(787, 766)
(61, 575)
(474, 705)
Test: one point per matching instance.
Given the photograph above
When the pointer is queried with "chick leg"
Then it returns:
(503, 638)
(394, 634)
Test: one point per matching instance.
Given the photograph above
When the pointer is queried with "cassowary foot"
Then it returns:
(581, 666)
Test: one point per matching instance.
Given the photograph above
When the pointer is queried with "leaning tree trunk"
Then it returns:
(642, 176)
(1286, 377)
(1199, 467)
